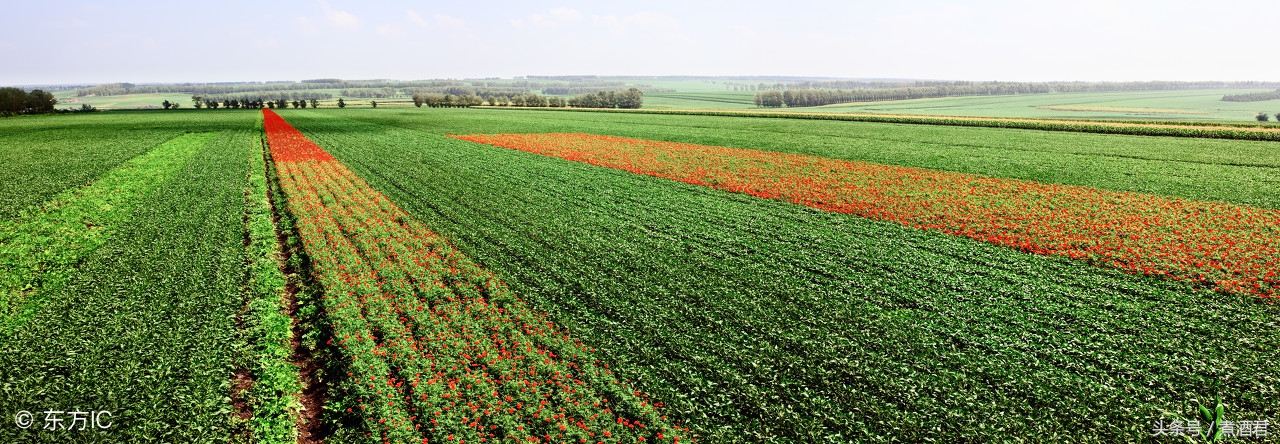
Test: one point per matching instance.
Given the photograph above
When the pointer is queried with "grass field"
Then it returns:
(716, 100)
(1178, 105)
(1125, 105)
(609, 301)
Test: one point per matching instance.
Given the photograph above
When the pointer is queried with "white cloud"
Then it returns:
(452, 26)
(449, 22)
(390, 30)
(416, 19)
(641, 23)
(652, 20)
(552, 18)
(341, 19)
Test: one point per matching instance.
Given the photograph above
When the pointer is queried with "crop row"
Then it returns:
(757, 320)
(41, 247)
(47, 155)
(144, 328)
(1228, 247)
(274, 395)
(435, 348)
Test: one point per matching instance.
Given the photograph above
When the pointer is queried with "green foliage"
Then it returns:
(145, 328)
(47, 155)
(16, 101)
(1211, 421)
(1262, 117)
(769, 99)
(630, 99)
(276, 385)
(1252, 97)
(42, 246)
(760, 321)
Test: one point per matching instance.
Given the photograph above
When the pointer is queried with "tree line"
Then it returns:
(278, 96)
(567, 90)
(1252, 97)
(205, 89)
(15, 101)
(630, 99)
(241, 102)
(814, 96)
(469, 100)
(802, 98)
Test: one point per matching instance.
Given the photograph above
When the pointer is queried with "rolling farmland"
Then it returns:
(471, 275)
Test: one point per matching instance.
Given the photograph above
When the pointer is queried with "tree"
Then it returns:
(769, 99)
(630, 99)
(374, 103)
(417, 100)
(315, 103)
(341, 104)
(195, 100)
(40, 102)
(1278, 117)
(166, 104)
(1263, 117)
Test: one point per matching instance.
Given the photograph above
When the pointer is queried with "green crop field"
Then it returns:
(1129, 105)
(1125, 105)
(68, 99)
(211, 276)
(1122, 105)
(700, 100)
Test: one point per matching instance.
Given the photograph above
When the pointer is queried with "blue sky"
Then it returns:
(92, 42)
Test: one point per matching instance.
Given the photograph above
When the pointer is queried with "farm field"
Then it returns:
(68, 98)
(145, 325)
(610, 252)
(441, 275)
(701, 100)
(1123, 105)
(1205, 105)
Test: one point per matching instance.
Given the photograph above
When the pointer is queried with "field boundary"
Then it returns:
(1236, 131)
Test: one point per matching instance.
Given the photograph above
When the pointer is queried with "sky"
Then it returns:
(78, 42)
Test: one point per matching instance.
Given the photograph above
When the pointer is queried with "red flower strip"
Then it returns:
(1231, 248)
